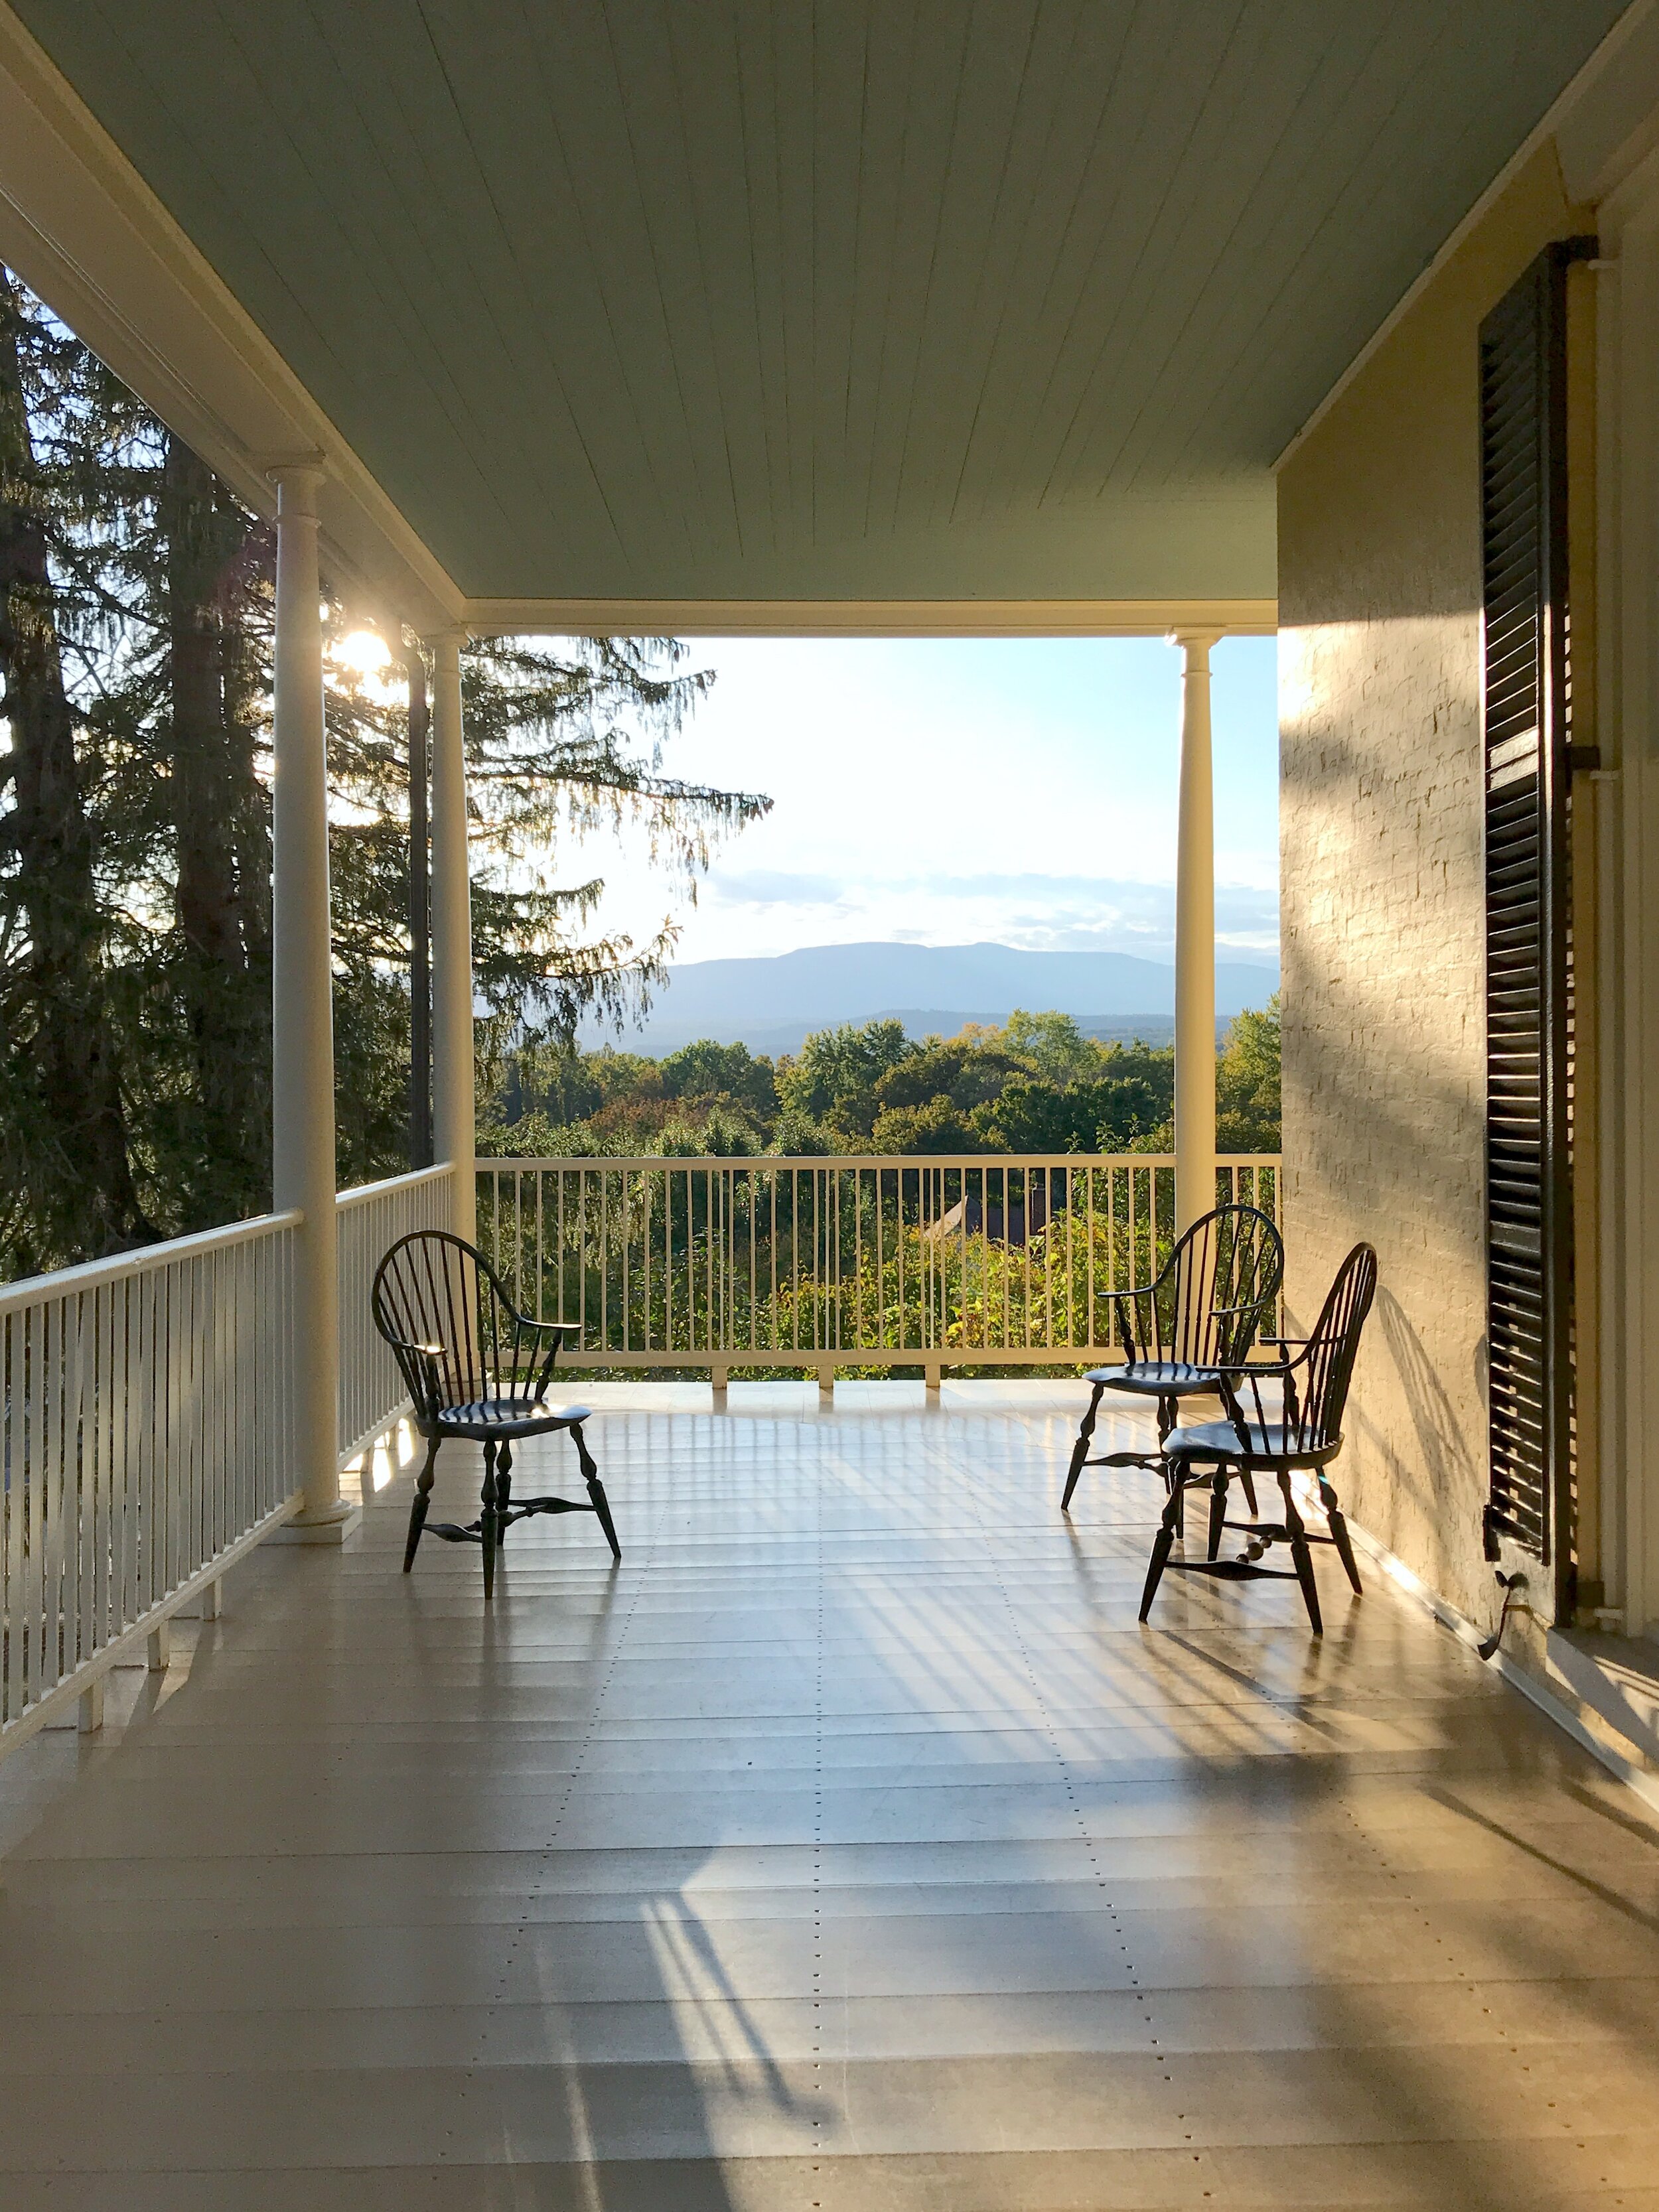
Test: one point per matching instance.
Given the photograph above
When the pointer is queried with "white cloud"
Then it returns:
(1037, 913)
(931, 792)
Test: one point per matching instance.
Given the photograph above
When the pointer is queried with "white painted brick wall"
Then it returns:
(1383, 1057)
(1379, 594)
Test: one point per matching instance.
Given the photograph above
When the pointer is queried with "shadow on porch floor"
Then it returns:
(850, 1846)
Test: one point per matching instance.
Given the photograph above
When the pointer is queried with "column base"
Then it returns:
(330, 1527)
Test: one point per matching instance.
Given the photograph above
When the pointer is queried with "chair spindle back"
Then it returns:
(452, 1329)
(1212, 1295)
(1314, 1384)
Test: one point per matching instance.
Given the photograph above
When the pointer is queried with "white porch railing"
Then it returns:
(146, 1430)
(145, 1401)
(145, 1437)
(371, 1219)
(809, 1264)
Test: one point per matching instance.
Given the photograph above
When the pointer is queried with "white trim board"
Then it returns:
(1597, 171)
(1636, 1777)
(871, 617)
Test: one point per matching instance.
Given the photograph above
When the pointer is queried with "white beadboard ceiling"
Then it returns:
(669, 299)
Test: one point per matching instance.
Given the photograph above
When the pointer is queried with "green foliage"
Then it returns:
(1246, 1084)
(1030, 1115)
(1129, 1090)
(967, 1072)
(136, 607)
(832, 1078)
(1035, 1085)
(1246, 1090)
(937, 1125)
(1051, 1046)
(709, 1070)
(797, 1136)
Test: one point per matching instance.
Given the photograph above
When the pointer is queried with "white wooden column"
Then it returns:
(1623, 1400)
(453, 1081)
(303, 1023)
(1194, 1022)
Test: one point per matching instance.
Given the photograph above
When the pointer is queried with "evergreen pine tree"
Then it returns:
(136, 606)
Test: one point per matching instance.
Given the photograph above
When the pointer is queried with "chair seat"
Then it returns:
(1256, 1441)
(490, 1421)
(1154, 1378)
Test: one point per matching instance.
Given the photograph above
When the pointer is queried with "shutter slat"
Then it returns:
(1529, 979)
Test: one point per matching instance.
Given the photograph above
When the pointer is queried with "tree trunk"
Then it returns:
(224, 980)
(198, 556)
(80, 1200)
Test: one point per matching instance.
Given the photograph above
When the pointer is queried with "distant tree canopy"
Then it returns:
(1037, 1084)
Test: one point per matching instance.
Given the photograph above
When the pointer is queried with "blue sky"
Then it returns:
(947, 791)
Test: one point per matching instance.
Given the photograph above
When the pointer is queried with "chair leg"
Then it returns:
(489, 1527)
(1080, 1448)
(1249, 1481)
(1162, 1544)
(1301, 1554)
(596, 1495)
(1340, 1536)
(1168, 1408)
(1217, 1510)
(419, 1503)
(504, 1492)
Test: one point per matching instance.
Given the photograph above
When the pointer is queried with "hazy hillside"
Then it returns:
(770, 1005)
(777, 1038)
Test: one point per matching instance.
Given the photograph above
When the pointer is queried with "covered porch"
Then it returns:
(850, 1843)
(849, 1846)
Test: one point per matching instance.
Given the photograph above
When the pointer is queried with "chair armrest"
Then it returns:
(1261, 1370)
(538, 1364)
(421, 1351)
(424, 1360)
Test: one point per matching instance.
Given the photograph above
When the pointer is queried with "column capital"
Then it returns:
(1194, 640)
(296, 472)
(455, 634)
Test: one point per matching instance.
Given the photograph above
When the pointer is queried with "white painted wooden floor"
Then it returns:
(850, 1847)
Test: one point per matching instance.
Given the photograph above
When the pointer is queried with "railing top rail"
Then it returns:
(364, 1193)
(744, 1160)
(122, 1266)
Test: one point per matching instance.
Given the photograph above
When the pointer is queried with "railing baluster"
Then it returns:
(710, 1260)
(139, 1398)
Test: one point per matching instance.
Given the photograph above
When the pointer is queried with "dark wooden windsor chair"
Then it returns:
(478, 1369)
(1301, 1430)
(1200, 1314)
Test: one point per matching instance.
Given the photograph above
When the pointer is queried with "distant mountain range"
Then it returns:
(771, 1005)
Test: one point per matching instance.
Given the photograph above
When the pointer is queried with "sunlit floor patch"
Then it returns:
(850, 1845)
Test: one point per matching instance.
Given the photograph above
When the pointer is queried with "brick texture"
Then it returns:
(1382, 910)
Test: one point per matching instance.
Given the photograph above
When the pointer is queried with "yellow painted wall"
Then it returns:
(1379, 592)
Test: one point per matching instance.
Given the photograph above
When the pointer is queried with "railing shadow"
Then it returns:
(1493, 1950)
(688, 2025)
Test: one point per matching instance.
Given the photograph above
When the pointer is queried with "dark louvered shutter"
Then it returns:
(1527, 725)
